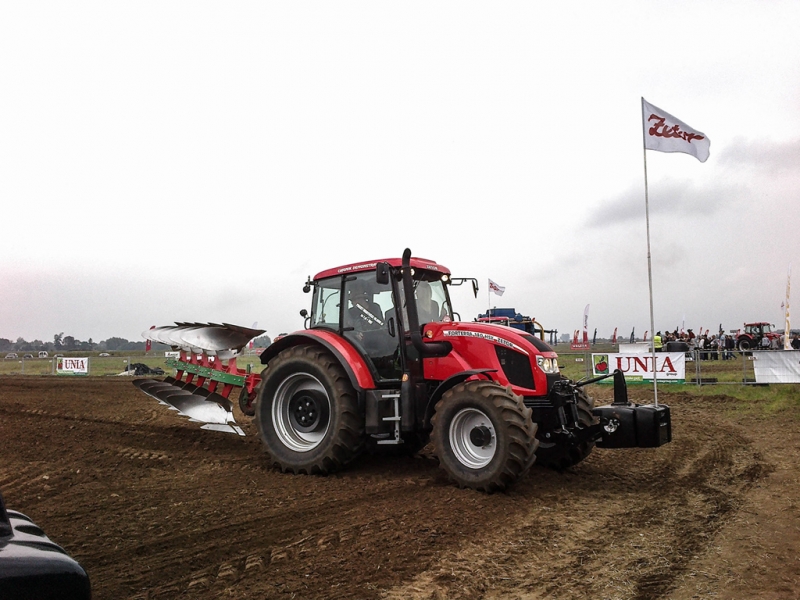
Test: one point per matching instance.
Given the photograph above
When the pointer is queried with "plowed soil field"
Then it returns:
(154, 507)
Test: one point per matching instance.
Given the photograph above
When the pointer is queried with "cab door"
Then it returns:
(369, 322)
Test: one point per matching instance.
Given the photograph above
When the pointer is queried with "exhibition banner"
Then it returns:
(777, 367)
(72, 366)
(638, 368)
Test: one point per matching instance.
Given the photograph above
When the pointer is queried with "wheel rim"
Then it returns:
(473, 438)
(301, 412)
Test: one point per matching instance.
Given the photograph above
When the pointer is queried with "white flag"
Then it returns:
(586, 324)
(665, 133)
(497, 289)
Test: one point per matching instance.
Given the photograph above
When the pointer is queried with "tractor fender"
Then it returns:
(352, 362)
(449, 383)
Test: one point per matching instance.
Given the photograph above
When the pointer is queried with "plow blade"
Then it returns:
(152, 387)
(197, 403)
(202, 409)
(224, 341)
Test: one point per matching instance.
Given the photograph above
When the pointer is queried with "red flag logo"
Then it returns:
(665, 133)
(496, 289)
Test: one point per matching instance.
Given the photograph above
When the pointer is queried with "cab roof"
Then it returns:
(416, 263)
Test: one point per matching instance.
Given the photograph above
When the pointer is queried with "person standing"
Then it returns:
(730, 345)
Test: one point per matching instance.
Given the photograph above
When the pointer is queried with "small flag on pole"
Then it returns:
(497, 289)
(665, 133)
(148, 345)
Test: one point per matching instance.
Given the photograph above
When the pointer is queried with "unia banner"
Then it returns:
(670, 366)
(72, 366)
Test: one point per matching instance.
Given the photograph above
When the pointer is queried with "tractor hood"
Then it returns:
(518, 358)
(490, 332)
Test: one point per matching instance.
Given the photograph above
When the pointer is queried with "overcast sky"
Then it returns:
(196, 161)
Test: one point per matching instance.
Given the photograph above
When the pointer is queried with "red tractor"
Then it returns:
(385, 362)
(755, 336)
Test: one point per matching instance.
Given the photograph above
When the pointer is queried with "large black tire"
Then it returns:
(745, 345)
(483, 436)
(560, 452)
(307, 412)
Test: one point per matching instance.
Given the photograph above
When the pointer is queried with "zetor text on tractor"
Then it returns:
(385, 362)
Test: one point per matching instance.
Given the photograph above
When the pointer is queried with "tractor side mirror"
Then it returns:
(303, 313)
(460, 280)
(382, 273)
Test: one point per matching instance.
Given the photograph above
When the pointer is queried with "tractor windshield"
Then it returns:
(432, 300)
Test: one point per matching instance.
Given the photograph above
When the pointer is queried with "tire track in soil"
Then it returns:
(668, 503)
(286, 545)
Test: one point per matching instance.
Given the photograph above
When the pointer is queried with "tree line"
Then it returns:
(68, 343)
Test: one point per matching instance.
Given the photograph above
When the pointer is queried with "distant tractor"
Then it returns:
(755, 336)
(384, 362)
(511, 318)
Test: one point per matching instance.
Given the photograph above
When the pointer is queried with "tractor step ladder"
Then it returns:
(396, 439)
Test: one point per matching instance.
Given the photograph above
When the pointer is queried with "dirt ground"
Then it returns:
(154, 507)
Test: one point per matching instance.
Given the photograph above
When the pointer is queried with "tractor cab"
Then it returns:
(758, 329)
(371, 311)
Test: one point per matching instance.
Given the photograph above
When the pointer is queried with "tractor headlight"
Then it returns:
(548, 365)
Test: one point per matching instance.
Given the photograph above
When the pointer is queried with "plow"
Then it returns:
(385, 362)
(205, 373)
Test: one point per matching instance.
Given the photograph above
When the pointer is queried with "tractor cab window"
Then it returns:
(431, 298)
(432, 302)
(766, 328)
(362, 312)
(327, 298)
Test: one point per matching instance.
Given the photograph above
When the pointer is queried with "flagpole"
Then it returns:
(649, 262)
(787, 343)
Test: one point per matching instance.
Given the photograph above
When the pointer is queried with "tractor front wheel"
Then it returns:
(307, 412)
(483, 435)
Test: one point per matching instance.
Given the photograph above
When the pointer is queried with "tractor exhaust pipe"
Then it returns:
(424, 349)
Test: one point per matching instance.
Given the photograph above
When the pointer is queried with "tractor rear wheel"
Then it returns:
(563, 452)
(307, 412)
(745, 345)
(483, 435)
